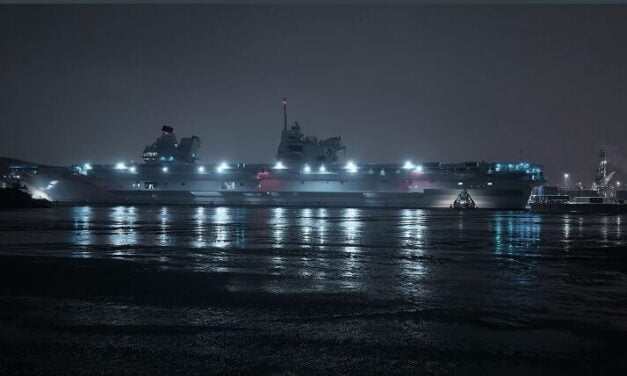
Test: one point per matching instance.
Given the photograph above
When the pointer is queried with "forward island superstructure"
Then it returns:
(307, 172)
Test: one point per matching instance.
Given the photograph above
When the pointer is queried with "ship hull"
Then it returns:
(579, 208)
(66, 188)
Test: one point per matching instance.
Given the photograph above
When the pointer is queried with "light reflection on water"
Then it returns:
(279, 222)
(164, 237)
(347, 247)
(220, 221)
(514, 233)
(200, 218)
(412, 228)
(82, 234)
(320, 226)
(123, 227)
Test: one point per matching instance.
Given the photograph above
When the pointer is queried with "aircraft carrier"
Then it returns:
(307, 172)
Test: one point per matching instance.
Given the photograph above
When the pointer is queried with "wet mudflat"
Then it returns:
(175, 290)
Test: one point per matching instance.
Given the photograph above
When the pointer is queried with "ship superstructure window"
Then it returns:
(150, 185)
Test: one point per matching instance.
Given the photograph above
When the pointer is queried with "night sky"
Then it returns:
(432, 83)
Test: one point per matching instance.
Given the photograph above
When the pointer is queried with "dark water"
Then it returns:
(178, 290)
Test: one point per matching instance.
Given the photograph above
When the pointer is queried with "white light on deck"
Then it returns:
(164, 169)
(322, 169)
(460, 183)
(133, 169)
(279, 166)
(351, 167)
(306, 169)
(201, 169)
(87, 167)
(38, 194)
(222, 167)
(408, 165)
(490, 183)
(120, 166)
(418, 168)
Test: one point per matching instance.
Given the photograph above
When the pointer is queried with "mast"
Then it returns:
(603, 178)
(284, 114)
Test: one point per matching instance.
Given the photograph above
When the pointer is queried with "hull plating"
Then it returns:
(65, 188)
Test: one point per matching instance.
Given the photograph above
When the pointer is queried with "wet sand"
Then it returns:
(311, 291)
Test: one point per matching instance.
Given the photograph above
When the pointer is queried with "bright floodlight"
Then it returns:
(201, 169)
(223, 166)
(164, 169)
(279, 166)
(566, 175)
(351, 167)
(408, 165)
(418, 168)
(87, 167)
(306, 169)
(322, 168)
(133, 169)
(120, 166)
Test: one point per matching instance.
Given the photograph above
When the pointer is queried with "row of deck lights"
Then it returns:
(409, 165)
(351, 167)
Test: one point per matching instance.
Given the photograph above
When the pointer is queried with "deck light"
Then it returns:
(418, 169)
(201, 169)
(408, 165)
(120, 166)
(164, 168)
(223, 166)
(279, 166)
(306, 169)
(133, 169)
(322, 168)
(351, 167)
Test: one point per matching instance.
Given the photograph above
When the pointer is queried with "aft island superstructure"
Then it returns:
(307, 172)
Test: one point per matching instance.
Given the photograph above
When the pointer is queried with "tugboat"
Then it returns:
(464, 201)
